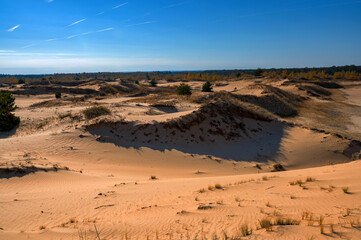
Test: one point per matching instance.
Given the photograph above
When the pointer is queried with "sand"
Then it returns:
(71, 175)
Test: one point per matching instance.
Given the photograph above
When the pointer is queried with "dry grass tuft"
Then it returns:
(245, 230)
(310, 179)
(345, 190)
(96, 111)
(266, 224)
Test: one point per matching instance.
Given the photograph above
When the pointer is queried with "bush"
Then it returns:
(96, 111)
(184, 89)
(7, 104)
(207, 87)
(258, 72)
(108, 89)
(153, 83)
(21, 81)
(57, 94)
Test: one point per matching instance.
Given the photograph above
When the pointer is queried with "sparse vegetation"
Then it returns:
(218, 186)
(345, 190)
(96, 111)
(153, 177)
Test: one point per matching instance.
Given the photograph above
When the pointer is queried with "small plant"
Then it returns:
(268, 204)
(286, 221)
(202, 190)
(153, 177)
(332, 229)
(218, 186)
(264, 178)
(292, 197)
(258, 166)
(96, 111)
(345, 190)
(207, 87)
(310, 179)
(65, 115)
(266, 224)
(42, 227)
(320, 223)
(278, 168)
(184, 89)
(245, 230)
(299, 182)
(153, 83)
(348, 212)
(57, 94)
(196, 199)
(210, 188)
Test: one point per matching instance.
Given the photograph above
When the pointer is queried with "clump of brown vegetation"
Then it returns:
(96, 111)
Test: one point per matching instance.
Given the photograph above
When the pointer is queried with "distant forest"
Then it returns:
(350, 72)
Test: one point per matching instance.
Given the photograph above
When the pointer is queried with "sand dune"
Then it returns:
(212, 157)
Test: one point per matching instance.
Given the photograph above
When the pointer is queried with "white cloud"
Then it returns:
(74, 23)
(120, 5)
(106, 29)
(13, 28)
(73, 36)
(142, 23)
(7, 51)
(99, 13)
(27, 46)
(51, 39)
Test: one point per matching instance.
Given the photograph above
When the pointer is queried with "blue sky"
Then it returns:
(47, 36)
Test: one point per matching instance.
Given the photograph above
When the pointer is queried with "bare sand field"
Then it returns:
(255, 159)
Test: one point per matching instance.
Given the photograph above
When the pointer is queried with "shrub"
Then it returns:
(57, 94)
(207, 87)
(153, 177)
(108, 89)
(7, 104)
(258, 72)
(153, 83)
(96, 111)
(184, 89)
(218, 186)
(345, 189)
(278, 168)
(21, 81)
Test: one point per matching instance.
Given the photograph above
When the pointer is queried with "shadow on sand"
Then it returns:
(254, 146)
